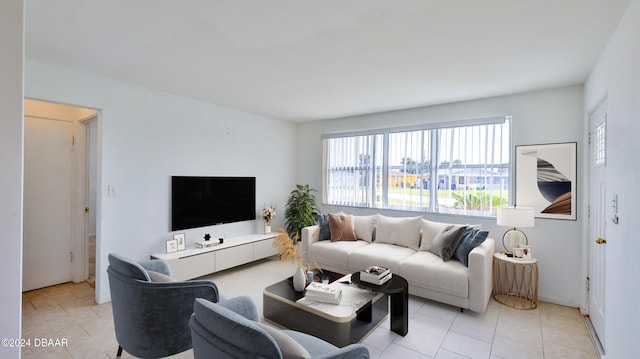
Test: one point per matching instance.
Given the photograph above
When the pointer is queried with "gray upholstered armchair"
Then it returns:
(232, 330)
(151, 311)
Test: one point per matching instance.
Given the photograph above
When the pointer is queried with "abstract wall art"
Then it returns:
(546, 179)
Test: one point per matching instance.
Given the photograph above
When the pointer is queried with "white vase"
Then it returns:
(267, 227)
(299, 280)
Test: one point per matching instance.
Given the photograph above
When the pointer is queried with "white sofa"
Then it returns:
(428, 275)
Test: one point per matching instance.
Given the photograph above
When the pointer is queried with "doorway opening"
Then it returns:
(60, 194)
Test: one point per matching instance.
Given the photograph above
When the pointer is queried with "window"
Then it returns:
(457, 168)
(599, 144)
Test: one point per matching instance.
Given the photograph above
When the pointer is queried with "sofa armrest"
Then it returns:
(481, 275)
(310, 235)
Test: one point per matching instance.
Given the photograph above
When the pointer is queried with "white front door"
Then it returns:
(599, 208)
(47, 202)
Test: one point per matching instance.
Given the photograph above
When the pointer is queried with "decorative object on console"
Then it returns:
(301, 210)
(182, 243)
(268, 214)
(172, 245)
(512, 216)
(205, 244)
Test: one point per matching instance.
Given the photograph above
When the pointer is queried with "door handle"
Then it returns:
(601, 240)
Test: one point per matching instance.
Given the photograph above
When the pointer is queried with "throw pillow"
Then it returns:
(323, 223)
(404, 231)
(364, 226)
(445, 242)
(159, 277)
(470, 239)
(341, 227)
(430, 230)
(288, 347)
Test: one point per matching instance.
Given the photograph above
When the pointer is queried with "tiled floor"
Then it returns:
(68, 311)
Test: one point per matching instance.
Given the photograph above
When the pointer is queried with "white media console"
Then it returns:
(196, 262)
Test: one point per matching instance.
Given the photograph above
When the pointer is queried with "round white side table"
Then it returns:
(515, 281)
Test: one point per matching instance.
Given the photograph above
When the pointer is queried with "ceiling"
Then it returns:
(302, 60)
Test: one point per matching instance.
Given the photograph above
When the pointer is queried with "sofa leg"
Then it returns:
(119, 352)
(461, 310)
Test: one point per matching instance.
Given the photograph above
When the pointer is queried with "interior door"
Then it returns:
(599, 205)
(47, 203)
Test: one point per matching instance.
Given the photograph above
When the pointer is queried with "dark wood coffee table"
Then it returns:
(398, 289)
(358, 313)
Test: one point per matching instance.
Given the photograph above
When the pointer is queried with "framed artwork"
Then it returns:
(172, 246)
(182, 243)
(546, 179)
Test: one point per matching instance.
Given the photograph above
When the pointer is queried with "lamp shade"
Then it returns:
(511, 216)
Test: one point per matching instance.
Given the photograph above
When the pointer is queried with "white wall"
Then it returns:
(617, 73)
(11, 98)
(538, 117)
(145, 137)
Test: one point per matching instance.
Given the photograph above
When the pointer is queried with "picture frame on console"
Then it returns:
(181, 241)
(172, 245)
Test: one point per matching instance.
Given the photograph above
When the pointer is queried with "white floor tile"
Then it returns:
(435, 330)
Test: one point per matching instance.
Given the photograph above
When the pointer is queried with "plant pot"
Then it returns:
(267, 227)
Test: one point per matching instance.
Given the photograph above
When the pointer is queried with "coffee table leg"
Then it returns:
(399, 312)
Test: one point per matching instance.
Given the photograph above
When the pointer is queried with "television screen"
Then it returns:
(205, 201)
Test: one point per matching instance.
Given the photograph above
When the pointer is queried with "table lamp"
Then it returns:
(512, 216)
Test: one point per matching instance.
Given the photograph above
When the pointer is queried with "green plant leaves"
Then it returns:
(301, 210)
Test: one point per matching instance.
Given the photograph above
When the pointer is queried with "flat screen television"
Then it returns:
(205, 201)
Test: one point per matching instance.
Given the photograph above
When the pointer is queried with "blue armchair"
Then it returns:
(151, 311)
(232, 330)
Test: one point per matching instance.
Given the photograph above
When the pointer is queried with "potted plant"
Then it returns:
(300, 211)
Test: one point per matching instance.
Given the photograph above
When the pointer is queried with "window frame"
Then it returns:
(433, 167)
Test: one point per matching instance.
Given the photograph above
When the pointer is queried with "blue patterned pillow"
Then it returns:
(471, 238)
(323, 223)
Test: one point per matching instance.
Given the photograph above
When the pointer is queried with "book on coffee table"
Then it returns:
(375, 275)
(323, 299)
(325, 293)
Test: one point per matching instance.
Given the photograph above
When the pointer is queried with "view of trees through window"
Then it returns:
(461, 169)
